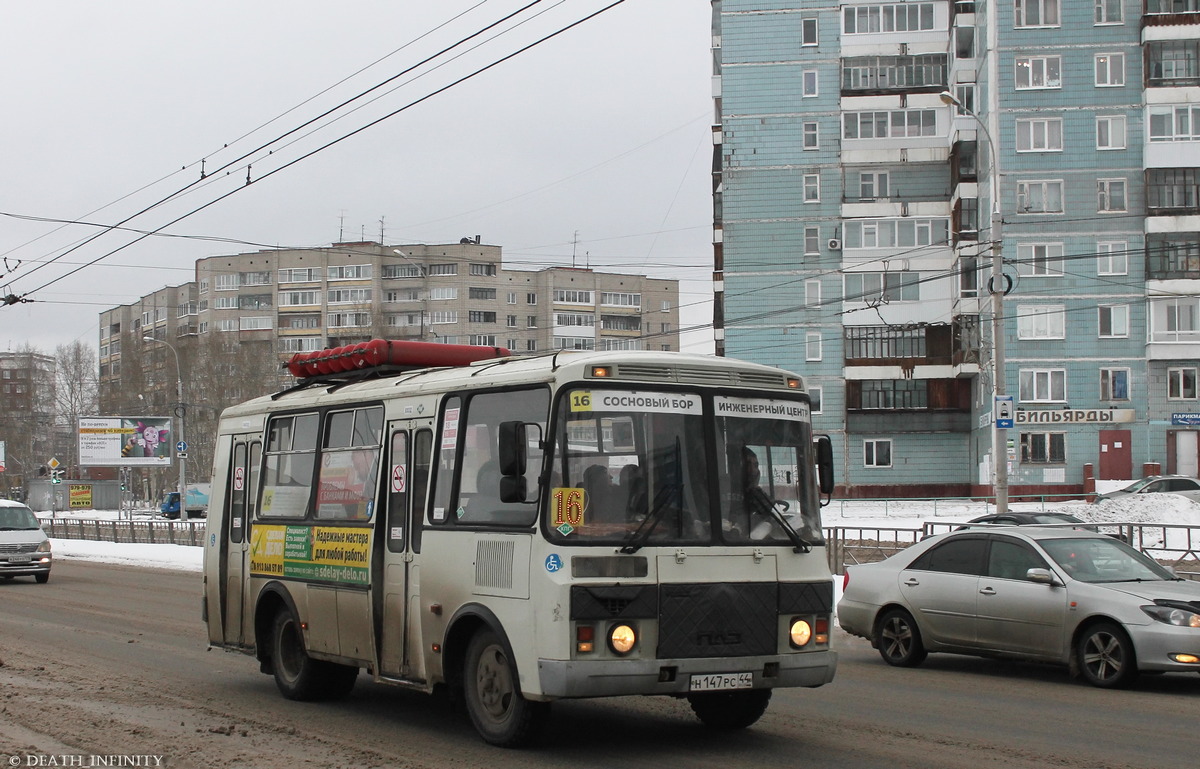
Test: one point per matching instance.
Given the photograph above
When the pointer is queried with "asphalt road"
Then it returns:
(108, 660)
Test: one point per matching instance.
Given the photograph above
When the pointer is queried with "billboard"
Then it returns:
(125, 441)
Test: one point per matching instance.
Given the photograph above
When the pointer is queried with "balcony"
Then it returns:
(1171, 63)
(940, 345)
(880, 75)
(908, 405)
(1157, 13)
(1176, 257)
(1172, 191)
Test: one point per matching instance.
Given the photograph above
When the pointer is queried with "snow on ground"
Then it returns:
(1167, 509)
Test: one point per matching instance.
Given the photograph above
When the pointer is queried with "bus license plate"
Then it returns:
(19, 559)
(712, 682)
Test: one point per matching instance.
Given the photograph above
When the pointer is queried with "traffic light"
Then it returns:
(56, 476)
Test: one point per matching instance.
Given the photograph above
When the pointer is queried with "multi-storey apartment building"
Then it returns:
(857, 149)
(27, 411)
(246, 314)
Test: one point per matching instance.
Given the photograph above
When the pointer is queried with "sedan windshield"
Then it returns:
(639, 467)
(1103, 560)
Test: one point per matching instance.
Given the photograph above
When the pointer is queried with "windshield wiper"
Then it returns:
(637, 540)
(764, 505)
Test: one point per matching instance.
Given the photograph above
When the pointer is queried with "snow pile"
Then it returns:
(1143, 508)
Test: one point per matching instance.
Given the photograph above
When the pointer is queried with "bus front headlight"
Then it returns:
(622, 638)
(800, 633)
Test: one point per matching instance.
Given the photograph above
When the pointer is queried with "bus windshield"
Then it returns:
(656, 467)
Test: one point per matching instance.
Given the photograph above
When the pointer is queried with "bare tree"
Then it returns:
(78, 390)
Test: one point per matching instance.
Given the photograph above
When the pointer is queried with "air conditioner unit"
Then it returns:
(835, 244)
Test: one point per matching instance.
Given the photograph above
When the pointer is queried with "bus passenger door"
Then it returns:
(408, 468)
(242, 484)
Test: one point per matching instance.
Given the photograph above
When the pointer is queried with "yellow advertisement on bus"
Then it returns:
(318, 553)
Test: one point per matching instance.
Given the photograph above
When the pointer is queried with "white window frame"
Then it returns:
(1110, 70)
(871, 452)
(1040, 134)
(1041, 321)
(1109, 12)
(1043, 187)
(1117, 318)
(817, 399)
(443, 293)
(1107, 190)
(1050, 438)
(812, 292)
(1186, 115)
(810, 84)
(1042, 385)
(1022, 13)
(1107, 377)
(810, 31)
(811, 132)
(1033, 69)
(812, 346)
(1112, 257)
(1040, 260)
(812, 188)
(1178, 381)
(880, 185)
(812, 240)
(1113, 124)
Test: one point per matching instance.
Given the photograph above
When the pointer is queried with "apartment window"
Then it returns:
(1181, 384)
(1110, 132)
(808, 32)
(401, 271)
(220, 303)
(512, 297)
(483, 269)
(227, 282)
(574, 319)
(1110, 70)
(1039, 72)
(809, 82)
(664, 306)
(877, 452)
(891, 124)
(254, 301)
(665, 328)
(404, 320)
(443, 269)
(812, 240)
(872, 185)
(1108, 11)
(300, 275)
(1173, 188)
(1036, 13)
(1040, 197)
(349, 295)
(478, 316)
(510, 321)
(300, 321)
(1180, 315)
(1039, 135)
(1043, 385)
(968, 276)
(574, 343)
(1110, 195)
(227, 324)
(403, 295)
(1178, 123)
(256, 323)
(530, 345)
(812, 188)
(481, 293)
(300, 344)
(531, 298)
(620, 299)
(203, 286)
(811, 135)
(812, 293)
(1172, 60)
(443, 293)
(891, 17)
(1041, 321)
(349, 272)
(572, 296)
(1114, 321)
(1114, 384)
(444, 316)
(621, 322)
(1044, 448)
(1112, 258)
(893, 233)
(1040, 259)
(893, 73)
(882, 286)
(814, 397)
(291, 298)
(531, 321)
(812, 346)
(348, 319)
(255, 279)
(483, 340)
(877, 394)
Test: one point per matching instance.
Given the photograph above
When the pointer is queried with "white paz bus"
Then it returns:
(525, 529)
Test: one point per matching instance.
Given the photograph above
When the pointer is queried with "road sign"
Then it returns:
(1004, 412)
(54, 463)
(181, 454)
(181, 446)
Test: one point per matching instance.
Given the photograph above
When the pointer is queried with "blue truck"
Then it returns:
(197, 502)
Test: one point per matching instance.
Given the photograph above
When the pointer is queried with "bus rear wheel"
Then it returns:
(730, 710)
(500, 714)
(299, 676)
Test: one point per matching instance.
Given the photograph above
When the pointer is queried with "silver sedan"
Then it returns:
(1051, 594)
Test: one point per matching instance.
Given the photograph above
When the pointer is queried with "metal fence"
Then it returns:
(146, 532)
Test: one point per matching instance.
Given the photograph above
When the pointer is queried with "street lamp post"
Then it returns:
(996, 286)
(183, 516)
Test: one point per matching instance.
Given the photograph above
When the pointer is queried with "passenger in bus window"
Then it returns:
(600, 496)
(633, 489)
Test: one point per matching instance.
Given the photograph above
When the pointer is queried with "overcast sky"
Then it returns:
(593, 146)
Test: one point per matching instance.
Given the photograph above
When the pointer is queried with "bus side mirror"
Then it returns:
(825, 464)
(512, 488)
(513, 448)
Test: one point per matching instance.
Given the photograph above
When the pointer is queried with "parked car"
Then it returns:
(24, 547)
(1155, 484)
(1051, 594)
(1025, 519)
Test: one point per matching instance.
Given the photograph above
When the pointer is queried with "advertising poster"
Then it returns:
(125, 441)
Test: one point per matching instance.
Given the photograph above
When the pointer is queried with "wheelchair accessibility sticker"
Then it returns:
(553, 563)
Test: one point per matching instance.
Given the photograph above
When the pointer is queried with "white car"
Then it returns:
(1053, 594)
(24, 547)
(1157, 484)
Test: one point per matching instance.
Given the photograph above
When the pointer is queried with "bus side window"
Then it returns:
(422, 466)
(398, 486)
(252, 470)
(237, 494)
(447, 452)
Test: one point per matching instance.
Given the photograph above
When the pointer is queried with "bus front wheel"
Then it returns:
(299, 676)
(730, 710)
(500, 714)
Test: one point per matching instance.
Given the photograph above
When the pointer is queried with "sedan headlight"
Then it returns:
(1173, 615)
(44, 547)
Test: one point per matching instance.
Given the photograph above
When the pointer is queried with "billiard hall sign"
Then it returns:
(1073, 416)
